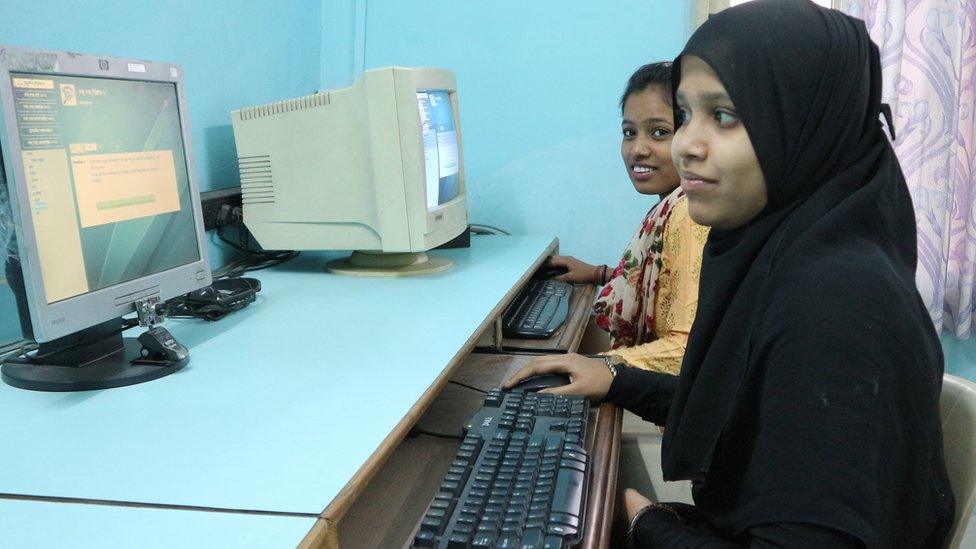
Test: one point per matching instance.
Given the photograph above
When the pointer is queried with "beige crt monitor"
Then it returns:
(375, 168)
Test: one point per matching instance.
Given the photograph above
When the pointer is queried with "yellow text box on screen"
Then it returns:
(120, 186)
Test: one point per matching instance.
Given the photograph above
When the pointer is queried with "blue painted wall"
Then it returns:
(234, 54)
(960, 356)
(538, 85)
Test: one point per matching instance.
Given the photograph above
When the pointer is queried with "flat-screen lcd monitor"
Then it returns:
(98, 171)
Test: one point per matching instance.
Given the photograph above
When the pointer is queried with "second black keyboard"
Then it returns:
(518, 478)
(538, 310)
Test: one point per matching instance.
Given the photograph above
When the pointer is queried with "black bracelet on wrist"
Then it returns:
(653, 507)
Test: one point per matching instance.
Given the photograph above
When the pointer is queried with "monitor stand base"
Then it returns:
(95, 358)
(388, 264)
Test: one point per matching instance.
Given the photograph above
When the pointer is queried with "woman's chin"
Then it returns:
(653, 187)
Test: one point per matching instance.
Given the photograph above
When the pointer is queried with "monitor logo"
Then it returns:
(103, 64)
(68, 96)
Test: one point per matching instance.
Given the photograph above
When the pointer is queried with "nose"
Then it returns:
(688, 144)
(642, 148)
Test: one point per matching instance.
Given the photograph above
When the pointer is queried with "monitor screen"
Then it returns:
(440, 146)
(106, 172)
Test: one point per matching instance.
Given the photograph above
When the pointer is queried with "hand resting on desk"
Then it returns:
(589, 377)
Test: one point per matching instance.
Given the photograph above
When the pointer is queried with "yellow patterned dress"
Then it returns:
(650, 302)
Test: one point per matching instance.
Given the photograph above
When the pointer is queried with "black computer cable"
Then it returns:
(222, 297)
(466, 386)
(417, 431)
(253, 260)
(486, 229)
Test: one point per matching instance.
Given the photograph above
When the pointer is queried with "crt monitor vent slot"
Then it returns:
(257, 185)
(281, 107)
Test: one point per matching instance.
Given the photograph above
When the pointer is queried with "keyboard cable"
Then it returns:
(466, 386)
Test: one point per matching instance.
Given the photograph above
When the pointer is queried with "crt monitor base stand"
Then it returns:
(388, 264)
(94, 358)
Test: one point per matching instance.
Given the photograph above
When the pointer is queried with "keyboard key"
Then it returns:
(459, 541)
(436, 513)
(563, 518)
(553, 542)
(572, 464)
(562, 530)
(532, 538)
(507, 541)
(568, 496)
(513, 527)
(431, 524)
(572, 454)
(425, 538)
(441, 503)
(450, 487)
(453, 477)
(482, 540)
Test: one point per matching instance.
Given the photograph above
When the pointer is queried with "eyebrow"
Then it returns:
(711, 97)
(653, 120)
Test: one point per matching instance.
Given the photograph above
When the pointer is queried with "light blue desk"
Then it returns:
(33, 524)
(286, 406)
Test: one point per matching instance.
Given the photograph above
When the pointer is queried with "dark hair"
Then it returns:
(651, 74)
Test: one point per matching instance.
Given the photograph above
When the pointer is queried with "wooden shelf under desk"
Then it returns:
(566, 339)
(388, 511)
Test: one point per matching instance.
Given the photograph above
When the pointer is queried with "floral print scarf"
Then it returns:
(625, 307)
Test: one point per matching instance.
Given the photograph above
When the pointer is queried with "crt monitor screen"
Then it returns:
(107, 180)
(440, 146)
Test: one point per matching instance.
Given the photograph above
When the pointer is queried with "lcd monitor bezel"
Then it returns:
(54, 320)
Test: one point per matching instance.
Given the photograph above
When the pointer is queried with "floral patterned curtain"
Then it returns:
(928, 57)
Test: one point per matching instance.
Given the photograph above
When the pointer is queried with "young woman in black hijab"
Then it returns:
(807, 409)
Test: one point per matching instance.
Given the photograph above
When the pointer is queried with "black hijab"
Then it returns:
(812, 373)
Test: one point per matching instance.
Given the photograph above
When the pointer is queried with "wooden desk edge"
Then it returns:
(334, 512)
(603, 481)
(589, 291)
(323, 534)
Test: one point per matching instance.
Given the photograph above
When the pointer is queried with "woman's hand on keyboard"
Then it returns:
(589, 377)
(576, 271)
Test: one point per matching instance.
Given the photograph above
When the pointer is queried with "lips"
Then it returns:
(641, 172)
(692, 182)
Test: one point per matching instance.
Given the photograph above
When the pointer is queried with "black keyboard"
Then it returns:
(538, 310)
(518, 479)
